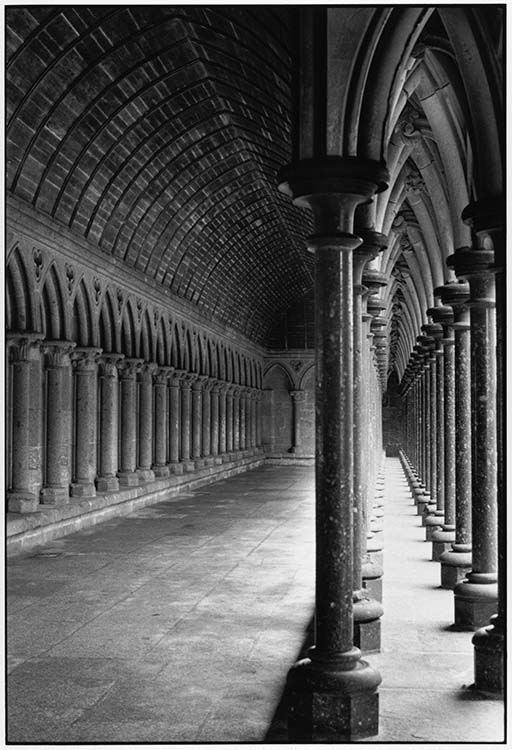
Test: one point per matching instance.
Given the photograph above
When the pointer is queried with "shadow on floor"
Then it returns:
(278, 729)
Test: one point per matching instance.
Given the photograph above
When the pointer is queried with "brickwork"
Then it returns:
(156, 133)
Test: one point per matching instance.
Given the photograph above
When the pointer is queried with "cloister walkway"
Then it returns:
(179, 622)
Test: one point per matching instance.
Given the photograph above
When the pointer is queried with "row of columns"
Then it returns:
(453, 405)
(90, 421)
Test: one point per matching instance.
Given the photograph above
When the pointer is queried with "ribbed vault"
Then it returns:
(156, 132)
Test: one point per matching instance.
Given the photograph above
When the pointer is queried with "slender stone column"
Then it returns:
(455, 563)
(230, 443)
(176, 422)
(476, 598)
(109, 404)
(254, 419)
(186, 421)
(128, 476)
(488, 221)
(58, 422)
(366, 611)
(24, 354)
(223, 420)
(145, 452)
(85, 366)
(333, 693)
(443, 538)
(243, 418)
(259, 430)
(197, 418)
(298, 398)
(434, 513)
(206, 421)
(218, 421)
(248, 419)
(160, 380)
(236, 419)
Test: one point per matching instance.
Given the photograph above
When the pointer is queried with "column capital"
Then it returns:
(298, 395)
(162, 373)
(130, 367)
(332, 187)
(175, 377)
(147, 370)
(471, 262)
(58, 352)
(23, 343)
(85, 357)
(187, 378)
(199, 382)
(108, 363)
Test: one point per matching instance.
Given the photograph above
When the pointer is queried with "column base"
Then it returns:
(188, 466)
(83, 490)
(454, 567)
(475, 604)
(431, 524)
(128, 479)
(161, 471)
(21, 502)
(107, 484)
(146, 475)
(441, 542)
(199, 463)
(372, 579)
(366, 618)
(489, 659)
(209, 461)
(175, 468)
(54, 496)
(333, 701)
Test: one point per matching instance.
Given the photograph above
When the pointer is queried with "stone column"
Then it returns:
(259, 399)
(333, 693)
(248, 418)
(25, 356)
(487, 219)
(85, 366)
(434, 513)
(236, 419)
(58, 422)
(175, 422)
(206, 421)
(218, 421)
(456, 562)
(476, 597)
(128, 476)
(160, 380)
(229, 421)
(109, 405)
(254, 419)
(145, 458)
(243, 419)
(186, 421)
(197, 417)
(366, 611)
(443, 538)
(298, 398)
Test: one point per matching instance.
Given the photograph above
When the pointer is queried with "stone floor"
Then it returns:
(179, 622)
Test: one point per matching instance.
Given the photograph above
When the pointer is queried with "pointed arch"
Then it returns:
(53, 306)
(19, 314)
(147, 347)
(107, 325)
(128, 332)
(82, 318)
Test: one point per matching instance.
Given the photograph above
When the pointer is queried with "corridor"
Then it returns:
(179, 622)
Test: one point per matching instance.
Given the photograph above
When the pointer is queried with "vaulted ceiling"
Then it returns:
(156, 133)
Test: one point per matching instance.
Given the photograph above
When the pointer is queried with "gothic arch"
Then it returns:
(53, 306)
